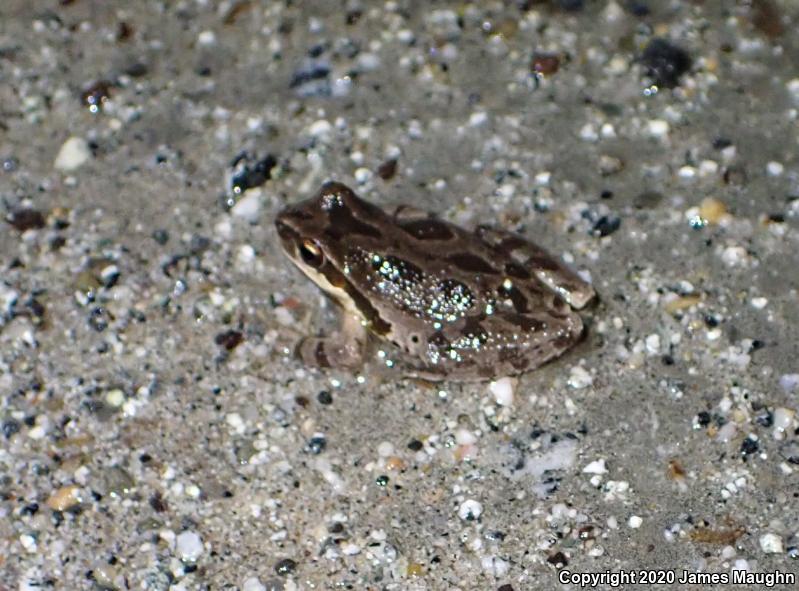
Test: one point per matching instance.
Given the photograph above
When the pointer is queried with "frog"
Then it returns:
(453, 304)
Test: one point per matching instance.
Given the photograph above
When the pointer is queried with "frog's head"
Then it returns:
(317, 233)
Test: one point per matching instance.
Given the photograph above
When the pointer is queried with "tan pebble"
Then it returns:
(712, 210)
(64, 498)
(676, 471)
(395, 463)
(682, 303)
(415, 569)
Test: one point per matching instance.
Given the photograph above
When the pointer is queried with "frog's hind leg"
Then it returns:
(543, 265)
(344, 349)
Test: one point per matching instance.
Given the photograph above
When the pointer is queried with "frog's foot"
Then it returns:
(544, 266)
(330, 352)
(344, 349)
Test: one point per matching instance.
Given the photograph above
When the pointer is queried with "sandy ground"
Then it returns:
(158, 434)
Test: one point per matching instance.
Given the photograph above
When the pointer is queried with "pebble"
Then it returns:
(115, 397)
(793, 88)
(73, 154)
(248, 207)
(470, 510)
(385, 449)
(64, 498)
(252, 584)
(658, 128)
(634, 522)
(579, 378)
(189, 546)
(503, 390)
(771, 544)
(775, 168)
(596, 467)
(789, 381)
(286, 567)
(665, 63)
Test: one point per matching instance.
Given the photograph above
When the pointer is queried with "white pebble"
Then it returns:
(653, 344)
(385, 449)
(189, 546)
(206, 38)
(73, 154)
(708, 168)
(634, 522)
(495, 566)
(470, 510)
(478, 118)
(115, 397)
(502, 389)
(687, 173)
(249, 206)
(793, 88)
(252, 584)
(789, 381)
(543, 178)
(320, 128)
(363, 175)
(596, 467)
(783, 419)
(774, 168)
(658, 128)
(771, 544)
(28, 542)
(734, 256)
(759, 303)
(579, 378)
(588, 133)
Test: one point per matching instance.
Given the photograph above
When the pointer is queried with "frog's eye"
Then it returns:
(311, 254)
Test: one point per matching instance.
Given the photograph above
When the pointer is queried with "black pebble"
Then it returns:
(26, 219)
(606, 225)
(285, 567)
(229, 339)
(161, 236)
(250, 172)
(665, 63)
(324, 397)
(749, 446)
(10, 428)
(415, 445)
(317, 445)
(703, 418)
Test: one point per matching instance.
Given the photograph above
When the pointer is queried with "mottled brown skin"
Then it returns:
(460, 305)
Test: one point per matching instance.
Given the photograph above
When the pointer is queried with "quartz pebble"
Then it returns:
(73, 154)
(189, 546)
(470, 510)
(771, 544)
(596, 467)
(252, 584)
(502, 389)
(579, 378)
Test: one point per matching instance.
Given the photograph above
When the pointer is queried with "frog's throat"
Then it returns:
(337, 286)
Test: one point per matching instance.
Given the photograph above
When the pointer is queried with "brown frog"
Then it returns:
(460, 305)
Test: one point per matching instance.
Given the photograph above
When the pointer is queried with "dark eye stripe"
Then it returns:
(343, 223)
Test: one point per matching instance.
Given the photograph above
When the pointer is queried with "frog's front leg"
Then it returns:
(543, 265)
(344, 349)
